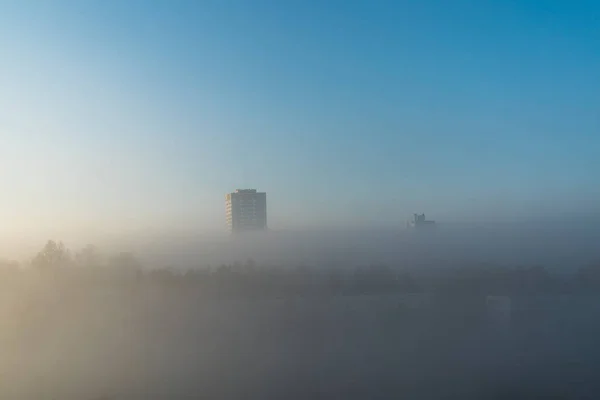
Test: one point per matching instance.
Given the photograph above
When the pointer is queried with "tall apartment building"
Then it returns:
(246, 210)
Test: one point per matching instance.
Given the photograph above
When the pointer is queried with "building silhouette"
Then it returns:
(246, 210)
(419, 221)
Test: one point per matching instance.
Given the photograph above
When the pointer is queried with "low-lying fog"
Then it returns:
(378, 315)
(553, 245)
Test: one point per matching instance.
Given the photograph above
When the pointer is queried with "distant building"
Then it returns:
(246, 210)
(419, 221)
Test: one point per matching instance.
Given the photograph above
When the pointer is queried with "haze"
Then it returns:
(124, 115)
(123, 124)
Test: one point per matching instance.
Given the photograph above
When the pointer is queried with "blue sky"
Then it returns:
(141, 114)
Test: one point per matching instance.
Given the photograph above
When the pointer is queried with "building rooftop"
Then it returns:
(245, 190)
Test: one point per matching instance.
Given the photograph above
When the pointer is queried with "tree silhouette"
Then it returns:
(88, 256)
(52, 256)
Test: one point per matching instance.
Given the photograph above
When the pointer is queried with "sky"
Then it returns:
(134, 115)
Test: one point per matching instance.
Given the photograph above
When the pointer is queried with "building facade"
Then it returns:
(246, 210)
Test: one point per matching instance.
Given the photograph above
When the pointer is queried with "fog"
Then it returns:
(129, 130)
(555, 245)
(321, 314)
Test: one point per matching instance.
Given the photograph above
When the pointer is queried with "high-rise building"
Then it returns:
(246, 210)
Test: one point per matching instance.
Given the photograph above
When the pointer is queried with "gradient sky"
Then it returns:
(143, 114)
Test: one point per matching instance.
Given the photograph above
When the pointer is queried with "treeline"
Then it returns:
(58, 263)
